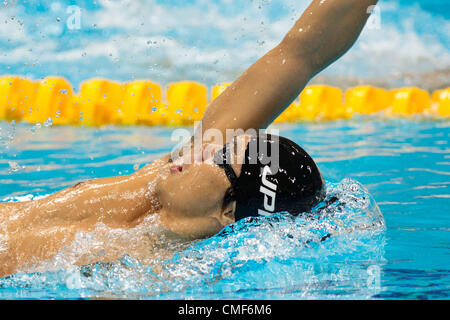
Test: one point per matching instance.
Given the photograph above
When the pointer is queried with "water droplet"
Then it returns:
(14, 165)
(48, 122)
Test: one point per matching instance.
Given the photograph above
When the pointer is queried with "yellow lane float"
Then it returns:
(319, 102)
(53, 100)
(218, 89)
(365, 100)
(17, 97)
(408, 101)
(101, 101)
(186, 103)
(141, 101)
(441, 102)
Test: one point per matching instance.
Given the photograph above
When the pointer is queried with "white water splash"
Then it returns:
(293, 255)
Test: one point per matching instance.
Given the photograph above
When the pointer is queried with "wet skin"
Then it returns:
(188, 197)
(38, 229)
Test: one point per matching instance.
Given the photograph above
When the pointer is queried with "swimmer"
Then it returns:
(224, 183)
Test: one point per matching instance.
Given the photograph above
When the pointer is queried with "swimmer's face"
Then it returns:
(193, 188)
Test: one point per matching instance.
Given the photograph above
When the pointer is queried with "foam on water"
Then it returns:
(308, 253)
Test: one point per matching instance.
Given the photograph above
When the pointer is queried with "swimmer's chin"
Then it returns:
(192, 228)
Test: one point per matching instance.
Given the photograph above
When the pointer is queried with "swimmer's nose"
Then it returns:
(175, 169)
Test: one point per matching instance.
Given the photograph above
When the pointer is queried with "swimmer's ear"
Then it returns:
(226, 216)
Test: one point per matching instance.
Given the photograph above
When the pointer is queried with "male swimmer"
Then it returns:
(227, 182)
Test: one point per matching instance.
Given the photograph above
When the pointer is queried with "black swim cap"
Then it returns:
(277, 175)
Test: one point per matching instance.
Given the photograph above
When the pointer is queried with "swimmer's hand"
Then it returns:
(325, 31)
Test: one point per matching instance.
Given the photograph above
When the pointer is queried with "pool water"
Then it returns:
(389, 225)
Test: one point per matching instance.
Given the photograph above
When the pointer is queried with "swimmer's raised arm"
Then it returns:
(325, 31)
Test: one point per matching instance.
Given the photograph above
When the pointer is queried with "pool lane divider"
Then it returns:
(143, 102)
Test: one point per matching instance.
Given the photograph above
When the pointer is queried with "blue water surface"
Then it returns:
(389, 225)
